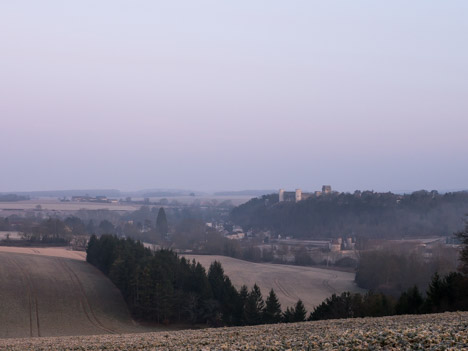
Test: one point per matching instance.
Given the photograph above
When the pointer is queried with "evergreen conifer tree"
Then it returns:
(288, 315)
(434, 294)
(299, 312)
(92, 250)
(272, 312)
(243, 293)
(216, 279)
(200, 282)
(243, 296)
(410, 302)
(161, 223)
(463, 237)
(254, 307)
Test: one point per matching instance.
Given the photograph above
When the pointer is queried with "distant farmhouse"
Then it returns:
(298, 195)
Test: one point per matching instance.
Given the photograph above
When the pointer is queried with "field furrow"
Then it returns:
(310, 284)
(50, 296)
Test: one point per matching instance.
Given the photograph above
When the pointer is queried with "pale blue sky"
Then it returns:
(214, 95)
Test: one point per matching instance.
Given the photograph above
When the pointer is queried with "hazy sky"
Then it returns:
(214, 95)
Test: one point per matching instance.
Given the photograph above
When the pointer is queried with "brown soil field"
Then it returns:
(311, 285)
(54, 296)
(46, 251)
(446, 331)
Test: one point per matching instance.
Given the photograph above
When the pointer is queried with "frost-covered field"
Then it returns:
(448, 331)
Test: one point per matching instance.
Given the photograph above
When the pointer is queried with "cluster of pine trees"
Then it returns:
(162, 287)
(165, 288)
(443, 294)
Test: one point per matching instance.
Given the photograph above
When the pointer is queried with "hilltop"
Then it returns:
(365, 214)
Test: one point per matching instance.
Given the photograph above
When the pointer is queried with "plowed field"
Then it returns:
(311, 285)
(447, 331)
(54, 296)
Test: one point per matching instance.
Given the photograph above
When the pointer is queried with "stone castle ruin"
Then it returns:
(298, 195)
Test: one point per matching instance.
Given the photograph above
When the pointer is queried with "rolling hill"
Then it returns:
(54, 292)
(56, 296)
(311, 285)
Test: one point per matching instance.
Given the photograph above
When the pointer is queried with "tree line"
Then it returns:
(159, 286)
(448, 293)
(12, 198)
(52, 230)
(367, 214)
(444, 293)
(162, 287)
(62, 231)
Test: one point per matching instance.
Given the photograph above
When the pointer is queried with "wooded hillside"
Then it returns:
(365, 214)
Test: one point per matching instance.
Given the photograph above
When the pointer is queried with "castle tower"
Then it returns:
(281, 195)
(298, 195)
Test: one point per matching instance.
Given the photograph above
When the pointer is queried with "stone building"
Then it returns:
(298, 195)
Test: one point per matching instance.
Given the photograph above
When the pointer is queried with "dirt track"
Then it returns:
(55, 296)
(311, 285)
